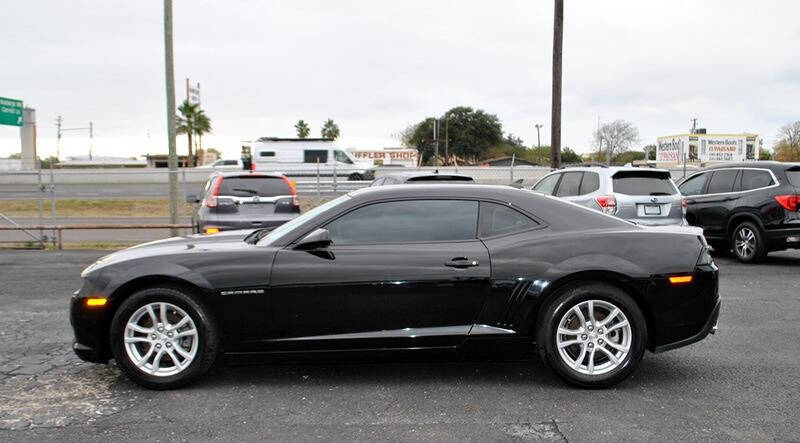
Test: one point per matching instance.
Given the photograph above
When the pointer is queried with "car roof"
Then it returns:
(234, 174)
(609, 170)
(407, 175)
(771, 165)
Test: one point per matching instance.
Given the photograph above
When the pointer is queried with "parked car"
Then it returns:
(751, 207)
(645, 196)
(452, 270)
(421, 177)
(243, 200)
(307, 157)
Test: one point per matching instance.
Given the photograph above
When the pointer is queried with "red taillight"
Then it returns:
(291, 186)
(683, 206)
(211, 200)
(608, 204)
(789, 202)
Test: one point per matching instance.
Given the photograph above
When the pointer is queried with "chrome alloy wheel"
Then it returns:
(594, 337)
(745, 242)
(161, 339)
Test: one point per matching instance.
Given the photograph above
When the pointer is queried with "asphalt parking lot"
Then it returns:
(740, 384)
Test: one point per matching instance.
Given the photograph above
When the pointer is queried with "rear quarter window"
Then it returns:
(643, 183)
(793, 175)
(754, 179)
(254, 185)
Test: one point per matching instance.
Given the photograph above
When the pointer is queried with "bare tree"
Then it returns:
(616, 137)
(789, 137)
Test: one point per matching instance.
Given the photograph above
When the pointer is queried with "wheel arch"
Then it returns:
(739, 217)
(621, 281)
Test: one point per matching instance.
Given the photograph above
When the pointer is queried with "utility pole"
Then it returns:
(91, 139)
(446, 137)
(436, 142)
(555, 121)
(694, 124)
(58, 136)
(172, 160)
(538, 140)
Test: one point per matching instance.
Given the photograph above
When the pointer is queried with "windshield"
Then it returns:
(250, 185)
(281, 230)
(643, 183)
(341, 157)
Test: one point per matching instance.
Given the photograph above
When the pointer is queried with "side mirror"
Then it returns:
(319, 238)
(192, 199)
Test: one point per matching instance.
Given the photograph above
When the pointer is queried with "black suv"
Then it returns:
(751, 207)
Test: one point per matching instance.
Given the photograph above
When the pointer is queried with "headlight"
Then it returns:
(705, 257)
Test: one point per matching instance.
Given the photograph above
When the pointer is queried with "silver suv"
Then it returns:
(641, 195)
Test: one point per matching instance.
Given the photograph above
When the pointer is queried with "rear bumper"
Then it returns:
(783, 238)
(228, 225)
(709, 328)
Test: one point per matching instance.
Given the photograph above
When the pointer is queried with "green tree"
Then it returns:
(651, 151)
(302, 129)
(16, 155)
(470, 135)
(628, 157)
(569, 156)
(764, 154)
(330, 130)
(193, 121)
(49, 162)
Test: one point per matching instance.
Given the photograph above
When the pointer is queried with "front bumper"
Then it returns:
(90, 327)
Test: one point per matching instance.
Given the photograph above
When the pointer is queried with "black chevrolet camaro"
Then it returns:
(463, 271)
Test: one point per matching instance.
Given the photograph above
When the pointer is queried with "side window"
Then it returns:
(407, 221)
(378, 182)
(266, 154)
(341, 157)
(722, 181)
(569, 185)
(695, 185)
(752, 179)
(590, 183)
(314, 155)
(547, 185)
(499, 219)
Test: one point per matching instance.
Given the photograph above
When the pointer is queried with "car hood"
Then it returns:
(225, 240)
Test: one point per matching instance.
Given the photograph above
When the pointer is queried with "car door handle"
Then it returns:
(462, 263)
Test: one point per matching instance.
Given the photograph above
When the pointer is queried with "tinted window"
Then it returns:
(254, 185)
(313, 155)
(722, 181)
(694, 185)
(590, 183)
(643, 183)
(500, 219)
(793, 174)
(752, 179)
(267, 153)
(547, 184)
(569, 185)
(407, 221)
(440, 179)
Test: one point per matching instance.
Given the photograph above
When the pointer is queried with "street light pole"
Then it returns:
(538, 140)
(172, 160)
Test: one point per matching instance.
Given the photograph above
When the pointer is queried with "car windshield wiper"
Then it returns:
(660, 193)
(253, 237)
(251, 191)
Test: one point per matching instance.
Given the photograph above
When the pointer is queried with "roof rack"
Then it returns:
(584, 165)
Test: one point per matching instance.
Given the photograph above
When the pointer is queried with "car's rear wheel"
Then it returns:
(748, 243)
(592, 335)
(355, 176)
(162, 338)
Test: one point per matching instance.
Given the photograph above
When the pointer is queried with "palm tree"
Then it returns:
(330, 129)
(302, 129)
(192, 121)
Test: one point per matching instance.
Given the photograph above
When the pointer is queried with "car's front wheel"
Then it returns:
(162, 338)
(592, 335)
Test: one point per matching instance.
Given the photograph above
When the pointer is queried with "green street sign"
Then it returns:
(10, 112)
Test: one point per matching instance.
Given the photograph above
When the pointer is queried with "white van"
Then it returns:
(298, 157)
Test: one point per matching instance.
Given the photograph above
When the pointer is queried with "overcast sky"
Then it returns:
(377, 66)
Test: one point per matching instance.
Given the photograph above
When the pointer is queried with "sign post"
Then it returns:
(11, 112)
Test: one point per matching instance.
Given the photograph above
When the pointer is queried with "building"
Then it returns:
(701, 148)
(161, 161)
(387, 156)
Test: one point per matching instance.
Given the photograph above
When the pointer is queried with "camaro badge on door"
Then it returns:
(242, 292)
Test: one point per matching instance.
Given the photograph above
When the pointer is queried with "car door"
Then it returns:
(399, 274)
(569, 186)
(547, 185)
(713, 207)
(691, 188)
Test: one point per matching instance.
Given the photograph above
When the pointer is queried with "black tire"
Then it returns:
(207, 337)
(355, 176)
(574, 295)
(757, 251)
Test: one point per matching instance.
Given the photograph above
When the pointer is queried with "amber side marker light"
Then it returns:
(680, 279)
(95, 302)
(212, 230)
